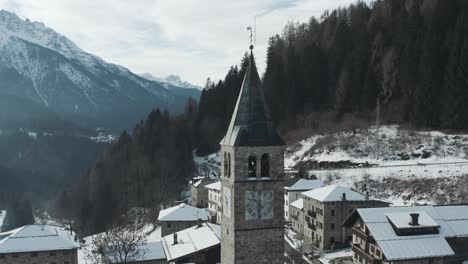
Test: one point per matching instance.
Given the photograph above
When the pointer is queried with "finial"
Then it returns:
(251, 37)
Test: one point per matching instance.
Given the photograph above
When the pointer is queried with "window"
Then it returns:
(332, 212)
(229, 165)
(252, 165)
(168, 225)
(225, 163)
(265, 169)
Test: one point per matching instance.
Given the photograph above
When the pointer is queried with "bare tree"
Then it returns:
(121, 244)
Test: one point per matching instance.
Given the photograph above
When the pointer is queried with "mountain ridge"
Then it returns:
(43, 66)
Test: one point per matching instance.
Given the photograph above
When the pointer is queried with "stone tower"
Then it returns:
(252, 180)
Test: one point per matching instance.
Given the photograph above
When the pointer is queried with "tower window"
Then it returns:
(229, 165)
(252, 165)
(225, 165)
(265, 165)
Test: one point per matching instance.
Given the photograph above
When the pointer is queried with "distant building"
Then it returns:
(38, 244)
(214, 201)
(297, 216)
(199, 192)
(153, 254)
(198, 244)
(325, 209)
(180, 217)
(292, 193)
(420, 234)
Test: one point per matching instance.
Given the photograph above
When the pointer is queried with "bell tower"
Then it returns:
(252, 228)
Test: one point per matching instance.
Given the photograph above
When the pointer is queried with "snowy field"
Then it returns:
(389, 163)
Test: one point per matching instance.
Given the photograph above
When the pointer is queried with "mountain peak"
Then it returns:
(172, 79)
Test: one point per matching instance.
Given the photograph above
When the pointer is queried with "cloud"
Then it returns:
(195, 39)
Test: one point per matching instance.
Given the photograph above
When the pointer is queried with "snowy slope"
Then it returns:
(401, 166)
(46, 68)
(173, 80)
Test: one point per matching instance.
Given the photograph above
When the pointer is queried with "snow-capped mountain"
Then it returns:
(173, 80)
(40, 67)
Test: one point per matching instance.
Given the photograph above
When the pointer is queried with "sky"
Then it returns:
(194, 39)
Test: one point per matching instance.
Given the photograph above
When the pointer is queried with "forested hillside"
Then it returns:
(148, 168)
(411, 56)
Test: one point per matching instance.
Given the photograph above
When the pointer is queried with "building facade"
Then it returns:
(293, 193)
(252, 181)
(199, 192)
(214, 201)
(420, 234)
(325, 209)
(38, 244)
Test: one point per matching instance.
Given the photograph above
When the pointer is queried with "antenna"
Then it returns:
(249, 28)
(255, 30)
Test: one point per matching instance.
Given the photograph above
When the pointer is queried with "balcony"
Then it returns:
(311, 214)
(361, 252)
(359, 233)
(311, 226)
(295, 216)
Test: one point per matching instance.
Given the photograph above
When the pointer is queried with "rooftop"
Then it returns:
(334, 193)
(304, 185)
(299, 203)
(214, 186)
(32, 238)
(152, 251)
(451, 222)
(191, 240)
(251, 123)
(183, 212)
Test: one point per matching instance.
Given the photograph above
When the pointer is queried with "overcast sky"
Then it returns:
(194, 39)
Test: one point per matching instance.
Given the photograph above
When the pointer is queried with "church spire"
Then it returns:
(251, 123)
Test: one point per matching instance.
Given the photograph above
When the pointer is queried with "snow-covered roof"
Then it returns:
(191, 240)
(304, 185)
(33, 238)
(334, 193)
(402, 220)
(451, 221)
(151, 251)
(183, 212)
(214, 186)
(299, 203)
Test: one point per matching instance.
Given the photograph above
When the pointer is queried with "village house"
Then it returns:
(199, 244)
(153, 253)
(199, 192)
(214, 201)
(38, 244)
(420, 234)
(180, 217)
(292, 193)
(325, 209)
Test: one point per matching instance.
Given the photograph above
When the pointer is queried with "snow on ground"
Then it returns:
(327, 257)
(208, 165)
(401, 164)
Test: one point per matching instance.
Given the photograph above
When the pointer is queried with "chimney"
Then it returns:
(199, 223)
(175, 239)
(414, 219)
(343, 197)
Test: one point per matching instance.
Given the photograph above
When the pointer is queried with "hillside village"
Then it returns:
(260, 209)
